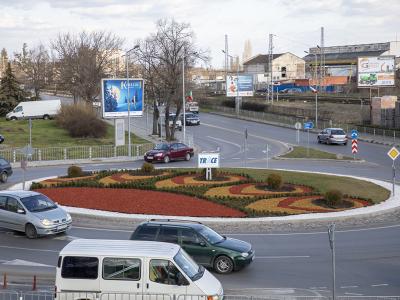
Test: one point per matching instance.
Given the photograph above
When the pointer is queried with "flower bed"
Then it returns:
(125, 177)
(194, 180)
(55, 181)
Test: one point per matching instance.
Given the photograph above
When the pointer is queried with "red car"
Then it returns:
(167, 152)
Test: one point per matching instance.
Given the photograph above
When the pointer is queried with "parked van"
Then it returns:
(45, 109)
(89, 269)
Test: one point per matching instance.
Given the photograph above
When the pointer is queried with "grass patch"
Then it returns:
(301, 152)
(45, 133)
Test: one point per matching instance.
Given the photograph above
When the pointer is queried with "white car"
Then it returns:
(332, 136)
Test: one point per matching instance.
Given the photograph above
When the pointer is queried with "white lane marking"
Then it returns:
(349, 287)
(318, 287)
(381, 284)
(103, 229)
(225, 141)
(235, 157)
(30, 249)
(353, 294)
(251, 158)
(283, 256)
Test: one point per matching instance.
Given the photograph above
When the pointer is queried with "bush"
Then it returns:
(253, 106)
(75, 171)
(274, 181)
(147, 168)
(80, 120)
(333, 198)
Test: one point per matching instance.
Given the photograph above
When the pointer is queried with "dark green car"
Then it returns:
(206, 246)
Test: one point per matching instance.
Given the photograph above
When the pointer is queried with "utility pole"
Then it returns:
(322, 72)
(331, 234)
(270, 59)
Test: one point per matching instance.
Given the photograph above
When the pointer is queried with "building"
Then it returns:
(285, 67)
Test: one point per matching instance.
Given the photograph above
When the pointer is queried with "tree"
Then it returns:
(160, 56)
(10, 92)
(83, 60)
(35, 64)
(3, 61)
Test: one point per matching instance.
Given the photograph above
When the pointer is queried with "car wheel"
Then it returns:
(46, 117)
(319, 141)
(187, 156)
(166, 159)
(328, 141)
(30, 231)
(13, 119)
(223, 264)
(345, 143)
(3, 177)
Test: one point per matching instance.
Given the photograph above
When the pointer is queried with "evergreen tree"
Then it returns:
(110, 104)
(10, 92)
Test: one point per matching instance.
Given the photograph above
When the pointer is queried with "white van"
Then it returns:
(44, 109)
(111, 269)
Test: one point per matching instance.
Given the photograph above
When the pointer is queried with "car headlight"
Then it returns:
(46, 222)
(158, 154)
(244, 254)
(68, 217)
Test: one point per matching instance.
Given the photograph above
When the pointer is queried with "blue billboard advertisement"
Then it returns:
(116, 101)
(244, 85)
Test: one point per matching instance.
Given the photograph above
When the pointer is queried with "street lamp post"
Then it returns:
(237, 105)
(129, 100)
(316, 91)
(183, 97)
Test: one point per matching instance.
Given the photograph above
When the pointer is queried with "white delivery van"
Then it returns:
(114, 269)
(44, 109)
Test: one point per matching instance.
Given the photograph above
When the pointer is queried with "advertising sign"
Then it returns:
(208, 160)
(376, 71)
(115, 97)
(245, 86)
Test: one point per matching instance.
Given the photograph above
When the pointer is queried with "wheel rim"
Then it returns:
(166, 159)
(30, 231)
(187, 156)
(3, 177)
(224, 265)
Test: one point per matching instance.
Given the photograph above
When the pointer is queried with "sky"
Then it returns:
(295, 23)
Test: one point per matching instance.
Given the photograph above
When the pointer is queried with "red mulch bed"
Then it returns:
(139, 202)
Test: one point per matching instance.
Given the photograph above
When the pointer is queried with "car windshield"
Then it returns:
(161, 147)
(210, 235)
(38, 203)
(338, 132)
(187, 265)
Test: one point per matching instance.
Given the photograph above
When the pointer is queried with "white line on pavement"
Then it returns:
(30, 249)
(235, 157)
(353, 294)
(349, 287)
(102, 229)
(225, 141)
(381, 284)
(283, 256)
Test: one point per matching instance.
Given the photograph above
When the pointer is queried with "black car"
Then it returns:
(206, 246)
(1, 139)
(5, 170)
(191, 119)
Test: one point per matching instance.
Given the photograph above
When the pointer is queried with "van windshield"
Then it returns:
(187, 265)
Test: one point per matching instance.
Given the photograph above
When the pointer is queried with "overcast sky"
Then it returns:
(295, 23)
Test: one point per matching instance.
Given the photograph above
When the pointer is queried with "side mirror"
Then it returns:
(20, 211)
(202, 244)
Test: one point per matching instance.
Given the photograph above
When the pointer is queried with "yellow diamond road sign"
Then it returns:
(393, 153)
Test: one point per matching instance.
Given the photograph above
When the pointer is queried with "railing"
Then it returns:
(74, 153)
(384, 135)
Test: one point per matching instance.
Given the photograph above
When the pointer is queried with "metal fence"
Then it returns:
(74, 153)
(384, 135)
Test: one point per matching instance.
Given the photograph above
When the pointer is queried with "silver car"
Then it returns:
(32, 213)
(332, 136)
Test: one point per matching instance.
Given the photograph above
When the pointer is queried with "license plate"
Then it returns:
(62, 227)
(150, 157)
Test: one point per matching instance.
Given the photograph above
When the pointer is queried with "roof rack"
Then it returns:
(174, 220)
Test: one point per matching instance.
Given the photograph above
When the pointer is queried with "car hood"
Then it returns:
(53, 214)
(209, 285)
(153, 152)
(235, 245)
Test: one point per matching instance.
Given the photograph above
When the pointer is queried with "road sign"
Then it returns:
(354, 134)
(308, 125)
(354, 146)
(393, 153)
(27, 150)
(297, 125)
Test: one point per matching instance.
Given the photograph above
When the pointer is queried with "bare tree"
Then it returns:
(35, 65)
(160, 56)
(83, 60)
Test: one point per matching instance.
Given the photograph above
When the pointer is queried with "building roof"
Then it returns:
(345, 57)
(125, 248)
(261, 59)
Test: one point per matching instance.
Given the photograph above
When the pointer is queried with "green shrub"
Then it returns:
(147, 168)
(253, 106)
(80, 120)
(274, 181)
(75, 171)
(333, 197)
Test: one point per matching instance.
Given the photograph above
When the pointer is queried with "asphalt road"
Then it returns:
(367, 260)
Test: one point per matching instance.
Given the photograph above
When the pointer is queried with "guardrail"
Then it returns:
(73, 153)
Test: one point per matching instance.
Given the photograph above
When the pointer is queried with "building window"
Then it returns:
(283, 72)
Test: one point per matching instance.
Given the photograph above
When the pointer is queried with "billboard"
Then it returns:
(115, 97)
(245, 86)
(208, 160)
(376, 71)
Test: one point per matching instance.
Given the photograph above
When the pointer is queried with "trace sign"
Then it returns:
(208, 160)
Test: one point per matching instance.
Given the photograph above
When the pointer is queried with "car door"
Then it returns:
(196, 247)
(174, 151)
(324, 135)
(13, 215)
(3, 212)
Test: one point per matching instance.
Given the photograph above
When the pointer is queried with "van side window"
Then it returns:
(76, 267)
(147, 233)
(168, 235)
(18, 109)
(164, 272)
(189, 237)
(121, 268)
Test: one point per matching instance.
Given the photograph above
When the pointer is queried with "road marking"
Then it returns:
(102, 229)
(381, 284)
(251, 158)
(225, 141)
(318, 287)
(349, 287)
(283, 256)
(353, 294)
(236, 158)
(30, 249)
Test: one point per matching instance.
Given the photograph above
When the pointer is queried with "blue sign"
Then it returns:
(354, 134)
(308, 125)
(242, 87)
(117, 101)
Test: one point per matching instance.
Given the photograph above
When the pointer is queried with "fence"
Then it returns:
(74, 153)
(14, 295)
(384, 135)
